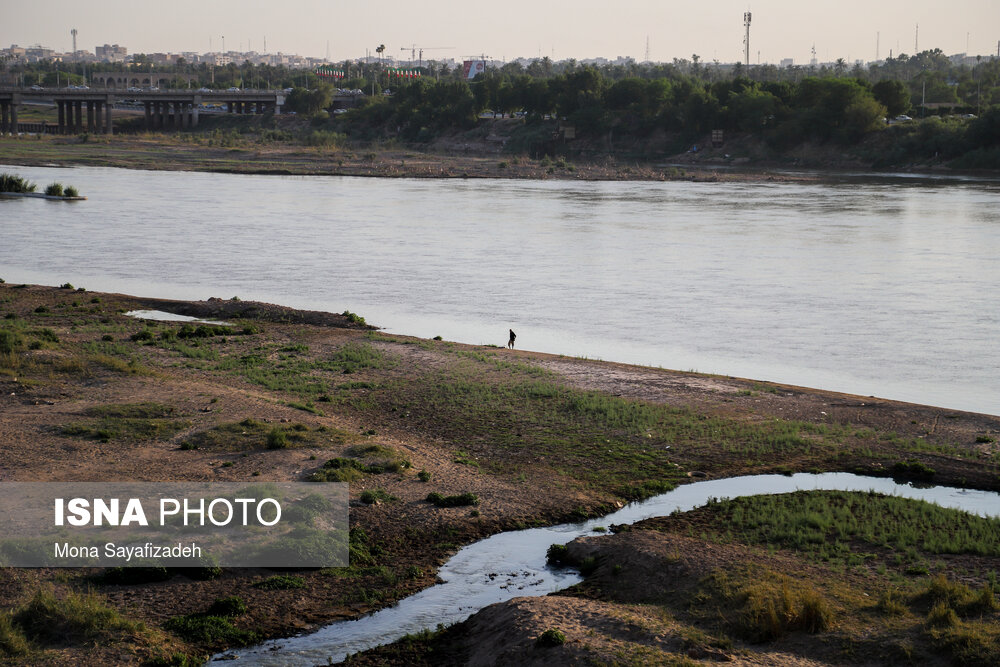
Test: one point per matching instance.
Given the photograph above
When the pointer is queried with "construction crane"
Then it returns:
(413, 49)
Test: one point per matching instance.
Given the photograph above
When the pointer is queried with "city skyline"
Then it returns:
(586, 29)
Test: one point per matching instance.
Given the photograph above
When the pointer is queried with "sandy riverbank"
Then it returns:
(178, 153)
(88, 393)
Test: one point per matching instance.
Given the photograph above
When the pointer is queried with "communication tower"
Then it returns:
(73, 32)
(746, 39)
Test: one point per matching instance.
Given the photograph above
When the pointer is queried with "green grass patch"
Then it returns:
(365, 459)
(250, 434)
(213, 626)
(847, 527)
(13, 642)
(127, 421)
(622, 445)
(374, 496)
(73, 619)
(354, 356)
(764, 606)
(460, 500)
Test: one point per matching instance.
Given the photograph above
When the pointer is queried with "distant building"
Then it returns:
(111, 53)
(787, 62)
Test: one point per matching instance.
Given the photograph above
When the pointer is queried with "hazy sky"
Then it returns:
(506, 29)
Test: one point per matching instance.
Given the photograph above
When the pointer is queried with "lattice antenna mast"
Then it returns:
(746, 38)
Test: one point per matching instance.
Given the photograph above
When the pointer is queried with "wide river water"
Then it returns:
(882, 286)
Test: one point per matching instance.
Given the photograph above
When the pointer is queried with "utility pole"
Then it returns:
(746, 39)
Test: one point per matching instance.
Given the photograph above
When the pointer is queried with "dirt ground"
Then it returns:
(48, 385)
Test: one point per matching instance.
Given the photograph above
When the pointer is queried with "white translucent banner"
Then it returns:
(193, 524)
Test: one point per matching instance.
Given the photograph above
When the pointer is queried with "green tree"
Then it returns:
(893, 95)
(752, 110)
(310, 101)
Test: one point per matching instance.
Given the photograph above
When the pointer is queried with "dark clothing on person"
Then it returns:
(510, 343)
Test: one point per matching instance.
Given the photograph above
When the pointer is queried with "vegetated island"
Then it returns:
(12, 185)
(88, 393)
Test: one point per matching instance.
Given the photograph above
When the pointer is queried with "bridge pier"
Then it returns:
(66, 122)
(8, 117)
(90, 116)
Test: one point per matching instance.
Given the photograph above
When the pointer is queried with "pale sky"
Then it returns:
(507, 29)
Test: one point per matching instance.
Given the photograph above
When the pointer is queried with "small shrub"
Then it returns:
(54, 190)
(557, 555)
(424, 476)
(912, 469)
(13, 183)
(10, 341)
(814, 614)
(66, 286)
(13, 643)
(354, 318)
(551, 637)
(460, 500)
(71, 191)
(890, 604)
(375, 496)
(942, 616)
(47, 335)
(231, 606)
(74, 619)
(277, 439)
(210, 629)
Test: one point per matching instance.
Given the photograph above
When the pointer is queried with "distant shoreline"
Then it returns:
(169, 153)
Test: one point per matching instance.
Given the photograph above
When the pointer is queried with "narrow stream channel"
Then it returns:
(512, 564)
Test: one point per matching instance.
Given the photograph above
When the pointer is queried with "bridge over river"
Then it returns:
(89, 110)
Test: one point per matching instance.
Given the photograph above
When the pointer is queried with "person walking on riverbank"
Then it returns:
(510, 343)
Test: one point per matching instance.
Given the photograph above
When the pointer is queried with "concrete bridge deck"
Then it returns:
(164, 108)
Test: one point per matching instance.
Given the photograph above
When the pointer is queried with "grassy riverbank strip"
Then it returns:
(249, 155)
(442, 444)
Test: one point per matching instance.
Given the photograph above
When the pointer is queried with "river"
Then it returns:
(880, 286)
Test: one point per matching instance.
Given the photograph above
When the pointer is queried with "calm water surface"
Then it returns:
(881, 287)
